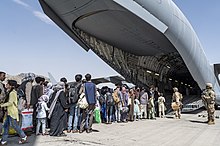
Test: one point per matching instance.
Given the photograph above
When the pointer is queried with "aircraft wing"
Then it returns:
(52, 79)
(112, 79)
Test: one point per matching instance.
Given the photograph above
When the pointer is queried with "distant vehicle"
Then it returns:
(192, 106)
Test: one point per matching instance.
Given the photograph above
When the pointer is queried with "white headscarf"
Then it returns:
(59, 86)
(44, 98)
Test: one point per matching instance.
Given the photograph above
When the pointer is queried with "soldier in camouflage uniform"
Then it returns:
(177, 100)
(208, 97)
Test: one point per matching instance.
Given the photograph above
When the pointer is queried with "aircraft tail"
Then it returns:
(52, 79)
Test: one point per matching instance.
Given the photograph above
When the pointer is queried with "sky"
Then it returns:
(30, 42)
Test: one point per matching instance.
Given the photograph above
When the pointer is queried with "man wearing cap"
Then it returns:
(208, 97)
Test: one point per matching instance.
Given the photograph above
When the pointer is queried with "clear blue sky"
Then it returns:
(31, 43)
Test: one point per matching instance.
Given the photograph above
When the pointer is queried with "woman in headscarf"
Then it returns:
(58, 111)
(48, 89)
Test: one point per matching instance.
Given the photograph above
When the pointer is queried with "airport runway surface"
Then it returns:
(190, 130)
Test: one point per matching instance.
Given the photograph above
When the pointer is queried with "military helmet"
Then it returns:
(209, 85)
(175, 89)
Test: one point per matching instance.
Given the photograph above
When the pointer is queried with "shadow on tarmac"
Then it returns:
(195, 121)
(94, 130)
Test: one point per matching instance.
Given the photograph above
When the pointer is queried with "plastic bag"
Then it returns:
(97, 116)
(21, 104)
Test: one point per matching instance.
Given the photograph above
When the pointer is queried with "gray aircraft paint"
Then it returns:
(167, 18)
(180, 33)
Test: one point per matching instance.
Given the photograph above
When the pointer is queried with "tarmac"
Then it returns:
(190, 130)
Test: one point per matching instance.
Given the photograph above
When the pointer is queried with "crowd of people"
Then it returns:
(70, 106)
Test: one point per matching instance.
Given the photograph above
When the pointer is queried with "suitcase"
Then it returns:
(26, 119)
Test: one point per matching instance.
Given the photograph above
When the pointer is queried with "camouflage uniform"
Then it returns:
(177, 97)
(151, 108)
(208, 97)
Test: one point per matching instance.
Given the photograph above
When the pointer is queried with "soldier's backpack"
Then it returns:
(73, 93)
(109, 99)
(181, 96)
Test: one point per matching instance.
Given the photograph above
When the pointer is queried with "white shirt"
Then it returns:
(136, 106)
(161, 100)
(42, 112)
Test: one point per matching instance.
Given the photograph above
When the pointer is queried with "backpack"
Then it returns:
(73, 93)
(21, 90)
(82, 103)
(116, 97)
(181, 96)
(101, 99)
(109, 99)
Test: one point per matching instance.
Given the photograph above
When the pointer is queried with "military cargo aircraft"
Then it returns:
(146, 41)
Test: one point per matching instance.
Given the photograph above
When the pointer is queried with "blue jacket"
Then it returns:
(90, 92)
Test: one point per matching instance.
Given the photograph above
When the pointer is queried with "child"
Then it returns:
(161, 105)
(41, 113)
(136, 109)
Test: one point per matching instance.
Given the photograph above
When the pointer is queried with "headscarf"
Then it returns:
(54, 103)
(59, 86)
(48, 90)
(49, 85)
(44, 98)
